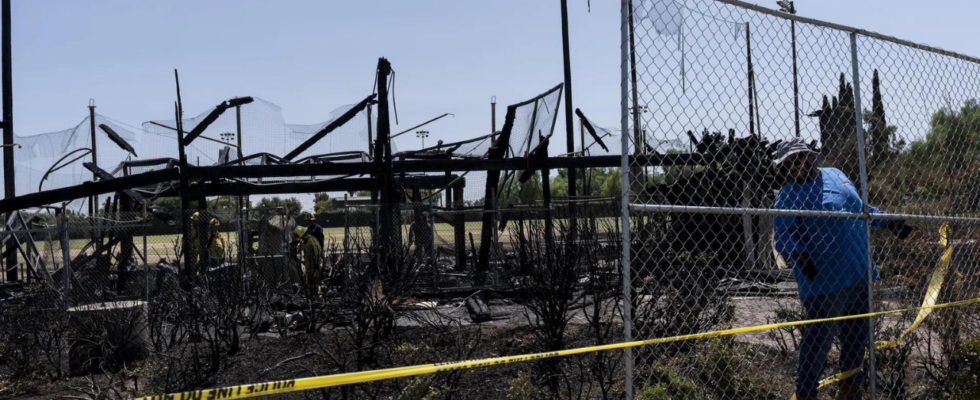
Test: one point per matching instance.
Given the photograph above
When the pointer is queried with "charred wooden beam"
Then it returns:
(105, 176)
(340, 169)
(336, 123)
(238, 188)
(442, 165)
(87, 189)
(213, 116)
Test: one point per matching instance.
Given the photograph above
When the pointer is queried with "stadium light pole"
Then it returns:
(422, 135)
(493, 114)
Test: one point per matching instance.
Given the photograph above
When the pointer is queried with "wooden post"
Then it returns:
(459, 227)
(370, 136)
(184, 195)
(449, 191)
(389, 234)
(498, 149)
(549, 223)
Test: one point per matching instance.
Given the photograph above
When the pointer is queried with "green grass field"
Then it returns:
(163, 247)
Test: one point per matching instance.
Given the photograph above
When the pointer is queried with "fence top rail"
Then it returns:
(793, 213)
(846, 28)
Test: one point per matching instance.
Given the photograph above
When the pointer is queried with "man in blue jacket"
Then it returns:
(830, 261)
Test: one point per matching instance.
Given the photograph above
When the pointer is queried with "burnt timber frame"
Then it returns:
(133, 181)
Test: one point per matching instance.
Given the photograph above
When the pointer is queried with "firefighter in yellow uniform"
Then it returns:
(216, 244)
(311, 257)
(194, 241)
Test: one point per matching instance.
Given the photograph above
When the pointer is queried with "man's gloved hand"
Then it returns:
(899, 228)
(806, 265)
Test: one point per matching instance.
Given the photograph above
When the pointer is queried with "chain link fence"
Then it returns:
(762, 151)
(775, 169)
(182, 302)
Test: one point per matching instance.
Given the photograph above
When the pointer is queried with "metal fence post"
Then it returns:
(862, 166)
(66, 263)
(346, 227)
(432, 245)
(624, 212)
(146, 256)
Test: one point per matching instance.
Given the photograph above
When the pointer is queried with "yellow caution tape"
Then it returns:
(317, 382)
(932, 294)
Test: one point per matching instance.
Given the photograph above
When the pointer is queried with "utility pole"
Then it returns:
(789, 7)
(635, 172)
(93, 203)
(9, 181)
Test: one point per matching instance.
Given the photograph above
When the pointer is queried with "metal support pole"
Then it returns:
(625, 201)
(8, 107)
(432, 243)
(748, 229)
(346, 228)
(146, 258)
(242, 201)
(859, 128)
(9, 180)
(569, 121)
(66, 254)
(93, 204)
(751, 77)
(242, 235)
(581, 146)
(796, 87)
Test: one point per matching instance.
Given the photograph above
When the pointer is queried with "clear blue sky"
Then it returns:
(311, 56)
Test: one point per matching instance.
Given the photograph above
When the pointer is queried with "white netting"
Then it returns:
(263, 131)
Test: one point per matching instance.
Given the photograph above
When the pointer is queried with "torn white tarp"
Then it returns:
(667, 17)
